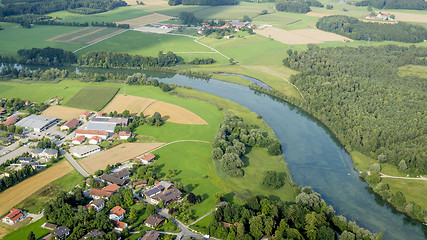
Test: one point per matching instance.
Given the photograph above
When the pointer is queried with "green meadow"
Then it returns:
(116, 15)
(92, 98)
(23, 232)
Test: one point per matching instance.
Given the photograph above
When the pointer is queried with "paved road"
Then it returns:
(74, 163)
(185, 232)
(200, 218)
(16, 153)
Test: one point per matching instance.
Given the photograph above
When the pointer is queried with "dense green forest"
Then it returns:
(355, 29)
(298, 6)
(19, 7)
(203, 2)
(47, 56)
(394, 4)
(358, 94)
(309, 218)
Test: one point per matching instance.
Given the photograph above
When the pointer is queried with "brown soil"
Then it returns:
(174, 113)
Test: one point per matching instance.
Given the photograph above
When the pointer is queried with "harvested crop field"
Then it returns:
(410, 17)
(300, 36)
(62, 112)
(92, 98)
(319, 15)
(119, 153)
(174, 113)
(144, 20)
(21, 191)
(170, 112)
(86, 35)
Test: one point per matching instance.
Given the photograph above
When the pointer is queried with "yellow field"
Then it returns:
(21, 191)
(170, 112)
(61, 112)
(144, 20)
(410, 17)
(120, 153)
(301, 36)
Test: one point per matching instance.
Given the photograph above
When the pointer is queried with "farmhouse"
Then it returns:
(61, 232)
(11, 120)
(37, 123)
(118, 225)
(117, 213)
(154, 221)
(92, 133)
(166, 197)
(146, 158)
(112, 180)
(79, 139)
(14, 216)
(69, 125)
(151, 235)
(83, 151)
(122, 135)
(84, 116)
(97, 204)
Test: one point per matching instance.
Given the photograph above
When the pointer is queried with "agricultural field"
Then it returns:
(62, 112)
(24, 189)
(144, 20)
(15, 38)
(92, 98)
(119, 153)
(86, 35)
(170, 112)
(116, 15)
(300, 36)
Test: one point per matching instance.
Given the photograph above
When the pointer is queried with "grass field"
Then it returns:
(116, 15)
(23, 232)
(22, 190)
(92, 98)
(413, 70)
(14, 39)
(86, 35)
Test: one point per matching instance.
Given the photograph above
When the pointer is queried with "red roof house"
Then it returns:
(14, 216)
(117, 213)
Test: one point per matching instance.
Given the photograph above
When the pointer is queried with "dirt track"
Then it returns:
(22, 190)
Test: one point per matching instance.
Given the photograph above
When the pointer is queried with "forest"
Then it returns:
(47, 56)
(394, 4)
(19, 7)
(355, 29)
(297, 6)
(308, 218)
(358, 94)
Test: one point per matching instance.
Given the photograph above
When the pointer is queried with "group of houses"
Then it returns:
(23, 161)
(380, 16)
(164, 192)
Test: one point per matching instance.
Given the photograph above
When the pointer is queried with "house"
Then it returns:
(61, 232)
(122, 174)
(44, 154)
(112, 180)
(11, 120)
(239, 24)
(14, 216)
(117, 213)
(370, 16)
(151, 235)
(97, 193)
(146, 158)
(84, 116)
(153, 221)
(229, 36)
(166, 197)
(118, 225)
(78, 140)
(97, 205)
(94, 234)
(113, 188)
(95, 140)
(139, 184)
(70, 125)
(92, 133)
(167, 185)
(122, 135)
(83, 151)
(49, 226)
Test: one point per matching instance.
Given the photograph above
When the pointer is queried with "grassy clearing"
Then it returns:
(92, 98)
(13, 39)
(413, 70)
(116, 15)
(22, 233)
(413, 190)
(362, 163)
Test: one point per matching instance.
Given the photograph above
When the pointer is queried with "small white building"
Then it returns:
(78, 140)
(83, 151)
(95, 140)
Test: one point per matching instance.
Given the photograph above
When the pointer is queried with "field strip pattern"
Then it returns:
(24, 189)
(60, 38)
(101, 39)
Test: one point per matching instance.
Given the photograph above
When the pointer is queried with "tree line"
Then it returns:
(308, 218)
(47, 56)
(11, 7)
(359, 95)
(358, 30)
(231, 140)
(394, 4)
(16, 177)
(203, 2)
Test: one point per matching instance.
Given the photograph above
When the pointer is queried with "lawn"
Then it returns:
(116, 15)
(92, 98)
(413, 70)
(22, 233)
(14, 39)
(413, 190)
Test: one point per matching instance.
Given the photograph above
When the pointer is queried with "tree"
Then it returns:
(347, 236)
(191, 198)
(217, 153)
(375, 168)
(31, 236)
(402, 166)
(272, 180)
(256, 227)
(275, 148)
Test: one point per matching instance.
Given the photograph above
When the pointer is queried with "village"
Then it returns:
(152, 200)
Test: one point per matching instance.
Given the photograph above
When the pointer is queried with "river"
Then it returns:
(316, 159)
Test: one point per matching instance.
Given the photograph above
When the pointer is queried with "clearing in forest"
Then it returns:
(24, 189)
(62, 112)
(119, 153)
(92, 98)
(144, 20)
(169, 112)
(300, 36)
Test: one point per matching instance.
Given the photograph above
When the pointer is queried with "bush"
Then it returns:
(275, 148)
(272, 180)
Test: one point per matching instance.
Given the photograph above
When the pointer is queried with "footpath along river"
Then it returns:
(316, 159)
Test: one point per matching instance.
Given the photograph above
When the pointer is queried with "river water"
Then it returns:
(316, 159)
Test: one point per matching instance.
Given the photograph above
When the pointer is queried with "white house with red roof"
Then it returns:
(92, 133)
(117, 213)
(79, 139)
(14, 216)
(84, 116)
(118, 225)
(95, 140)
